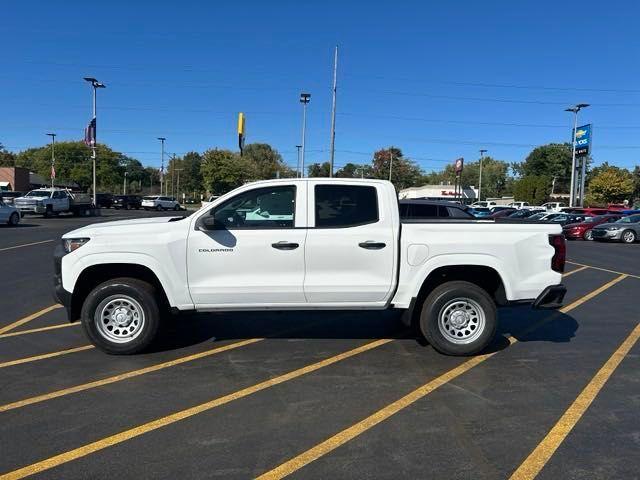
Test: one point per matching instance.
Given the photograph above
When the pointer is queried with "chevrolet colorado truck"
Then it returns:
(296, 244)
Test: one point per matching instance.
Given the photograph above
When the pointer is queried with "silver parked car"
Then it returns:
(8, 213)
(626, 230)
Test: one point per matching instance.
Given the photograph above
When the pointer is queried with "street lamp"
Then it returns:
(482, 152)
(298, 147)
(575, 109)
(305, 98)
(162, 139)
(53, 156)
(95, 84)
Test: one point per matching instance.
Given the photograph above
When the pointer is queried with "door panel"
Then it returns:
(351, 251)
(255, 256)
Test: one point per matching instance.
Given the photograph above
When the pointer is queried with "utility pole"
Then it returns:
(390, 162)
(93, 137)
(173, 168)
(482, 152)
(178, 186)
(124, 185)
(575, 109)
(162, 139)
(53, 157)
(333, 113)
(305, 98)
(298, 171)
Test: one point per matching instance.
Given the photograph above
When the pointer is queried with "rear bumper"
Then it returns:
(574, 234)
(551, 297)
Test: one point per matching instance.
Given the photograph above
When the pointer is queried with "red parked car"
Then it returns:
(582, 230)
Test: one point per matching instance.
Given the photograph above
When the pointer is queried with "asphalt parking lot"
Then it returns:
(321, 395)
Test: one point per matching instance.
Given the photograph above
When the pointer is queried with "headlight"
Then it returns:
(71, 244)
(611, 229)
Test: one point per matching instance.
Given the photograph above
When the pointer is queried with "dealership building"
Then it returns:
(438, 192)
(18, 179)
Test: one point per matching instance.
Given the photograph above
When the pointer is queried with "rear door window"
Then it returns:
(340, 206)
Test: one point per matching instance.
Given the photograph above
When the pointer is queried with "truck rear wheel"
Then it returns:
(121, 316)
(458, 318)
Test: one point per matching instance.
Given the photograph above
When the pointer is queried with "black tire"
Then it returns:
(48, 213)
(159, 208)
(588, 235)
(628, 236)
(14, 219)
(176, 207)
(124, 289)
(446, 296)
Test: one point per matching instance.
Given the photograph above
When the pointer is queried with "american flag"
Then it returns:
(53, 171)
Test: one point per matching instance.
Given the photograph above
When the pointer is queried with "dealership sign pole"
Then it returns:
(458, 165)
(583, 141)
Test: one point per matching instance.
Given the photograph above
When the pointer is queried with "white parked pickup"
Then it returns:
(307, 244)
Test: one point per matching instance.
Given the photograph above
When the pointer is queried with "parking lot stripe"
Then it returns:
(125, 376)
(41, 329)
(604, 269)
(35, 358)
(579, 269)
(536, 461)
(118, 438)
(348, 434)
(25, 245)
(28, 318)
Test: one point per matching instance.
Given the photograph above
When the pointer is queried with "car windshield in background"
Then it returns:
(38, 193)
(537, 216)
(629, 219)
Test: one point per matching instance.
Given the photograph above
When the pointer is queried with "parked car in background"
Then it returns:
(586, 210)
(104, 200)
(159, 202)
(8, 213)
(626, 230)
(583, 230)
(522, 214)
(484, 204)
(501, 212)
(432, 209)
(127, 201)
(480, 212)
(519, 205)
(538, 216)
(52, 201)
(9, 197)
(553, 206)
(564, 218)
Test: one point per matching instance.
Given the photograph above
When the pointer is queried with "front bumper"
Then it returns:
(60, 295)
(573, 234)
(602, 234)
(551, 297)
(31, 208)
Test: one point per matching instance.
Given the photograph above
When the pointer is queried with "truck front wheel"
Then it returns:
(458, 318)
(121, 316)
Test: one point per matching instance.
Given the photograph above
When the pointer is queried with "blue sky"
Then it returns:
(438, 79)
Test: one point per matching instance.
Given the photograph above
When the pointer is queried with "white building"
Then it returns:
(438, 192)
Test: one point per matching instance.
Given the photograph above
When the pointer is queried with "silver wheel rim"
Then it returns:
(589, 235)
(119, 318)
(461, 320)
(627, 237)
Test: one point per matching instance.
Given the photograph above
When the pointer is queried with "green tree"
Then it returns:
(404, 172)
(534, 189)
(635, 196)
(611, 185)
(268, 162)
(351, 170)
(318, 169)
(224, 170)
(494, 176)
(552, 160)
(7, 158)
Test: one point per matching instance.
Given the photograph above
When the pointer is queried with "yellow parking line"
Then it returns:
(125, 376)
(348, 434)
(25, 245)
(579, 269)
(118, 438)
(28, 318)
(35, 358)
(536, 461)
(603, 269)
(41, 329)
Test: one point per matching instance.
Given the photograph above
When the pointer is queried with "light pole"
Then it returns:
(575, 109)
(96, 85)
(298, 171)
(53, 156)
(178, 185)
(124, 186)
(305, 98)
(482, 152)
(162, 139)
(390, 162)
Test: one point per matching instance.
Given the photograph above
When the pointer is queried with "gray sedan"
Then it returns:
(8, 213)
(626, 230)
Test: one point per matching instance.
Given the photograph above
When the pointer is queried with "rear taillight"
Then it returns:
(560, 255)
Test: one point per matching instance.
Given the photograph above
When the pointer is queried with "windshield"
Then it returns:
(537, 216)
(630, 219)
(596, 219)
(38, 193)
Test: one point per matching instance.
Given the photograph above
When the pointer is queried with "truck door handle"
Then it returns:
(371, 245)
(285, 245)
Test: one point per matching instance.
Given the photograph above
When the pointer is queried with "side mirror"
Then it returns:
(209, 222)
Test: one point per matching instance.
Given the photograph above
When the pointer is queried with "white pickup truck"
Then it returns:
(51, 201)
(306, 244)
